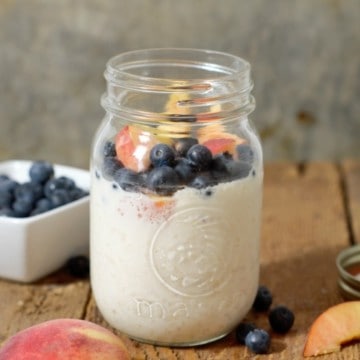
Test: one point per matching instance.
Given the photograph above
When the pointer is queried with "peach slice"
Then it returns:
(219, 146)
(64, 339)
(133, 145)
(218, 140)
(338, 325)
(176, 105)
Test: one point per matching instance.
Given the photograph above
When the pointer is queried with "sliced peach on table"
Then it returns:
(64, 339)
(133, 145)
(337, 326)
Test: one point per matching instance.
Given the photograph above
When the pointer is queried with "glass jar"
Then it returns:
(176, 196)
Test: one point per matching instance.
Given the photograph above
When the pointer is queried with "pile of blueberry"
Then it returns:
(281, 320)
(43, 192)
(186, 163)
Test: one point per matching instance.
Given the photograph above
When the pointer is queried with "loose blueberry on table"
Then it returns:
(281, 320)
(43, 192)
(263, 299)
(258, 341)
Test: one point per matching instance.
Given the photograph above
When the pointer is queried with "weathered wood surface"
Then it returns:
(310, 213)
(304, 56)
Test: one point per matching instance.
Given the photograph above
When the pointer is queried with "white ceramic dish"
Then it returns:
(33, 247)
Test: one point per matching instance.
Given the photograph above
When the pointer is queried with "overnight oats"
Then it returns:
(176, 196)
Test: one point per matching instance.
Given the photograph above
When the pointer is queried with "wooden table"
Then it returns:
(310, 213)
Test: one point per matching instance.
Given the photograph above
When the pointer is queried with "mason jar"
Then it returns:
(176, 196)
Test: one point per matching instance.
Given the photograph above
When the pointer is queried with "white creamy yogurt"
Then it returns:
(176, 270)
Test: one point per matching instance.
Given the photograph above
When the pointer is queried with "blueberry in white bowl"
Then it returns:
(44, 217)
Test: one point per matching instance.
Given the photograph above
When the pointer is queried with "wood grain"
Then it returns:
(351, 170)
(306, 219)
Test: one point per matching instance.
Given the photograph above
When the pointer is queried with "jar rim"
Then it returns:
(219, 65)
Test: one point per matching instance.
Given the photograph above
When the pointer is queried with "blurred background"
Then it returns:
(305, 58)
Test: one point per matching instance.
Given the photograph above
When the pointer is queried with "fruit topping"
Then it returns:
(202, 181)
(163, 180)
(258, 341)
(176, 104)
(110, 166)
(281, 319)
(133, 146)
(129, 180)
(237, 169)
(184, 170)
(336, 326)
(162, 154)
(220, 145)
(199, 156)
(263, 299)
(182, 145)
(245, 153)
(109, 149)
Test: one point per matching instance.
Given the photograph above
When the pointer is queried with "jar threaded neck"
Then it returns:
(139, 84)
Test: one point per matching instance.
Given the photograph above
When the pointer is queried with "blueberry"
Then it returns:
(237, 169)
(59, 197)
(50, 187)
(184, 169)
(110, 166)
(202, 181)
(41, 206)
(129, 180)
(258, 341)
(8, 185)
(109, 149)
(77, 193)
(163, 180)
(281, 319)
(22, 207)
(162, 155)
(242, 330)
(245, 153)
(41, 171)
(78, 266)
(29, 191)
(199, 156)
(219, 166)
(183, 145)
(4, 177)
(62, 182)
(263, 299)
(7, 211)
(6, 199)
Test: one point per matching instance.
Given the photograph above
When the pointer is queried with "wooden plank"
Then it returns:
(304, 227)
(24, 305)
(351, 171)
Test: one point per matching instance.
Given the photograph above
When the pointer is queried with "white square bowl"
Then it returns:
(33, 247)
